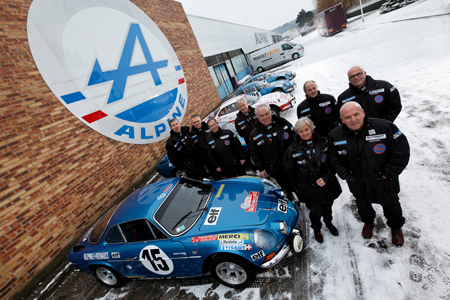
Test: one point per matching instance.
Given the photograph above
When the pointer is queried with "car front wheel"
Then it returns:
(232, 271)
(295, 56)
(108, 276)
(260, 69)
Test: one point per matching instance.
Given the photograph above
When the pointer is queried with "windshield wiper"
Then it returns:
(187, 215)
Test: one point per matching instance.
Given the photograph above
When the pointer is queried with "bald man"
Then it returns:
(378, 98)
(370, 154)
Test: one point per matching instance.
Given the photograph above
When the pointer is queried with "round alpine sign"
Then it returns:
(110, 65)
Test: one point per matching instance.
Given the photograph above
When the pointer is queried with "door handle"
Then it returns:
(132, 258)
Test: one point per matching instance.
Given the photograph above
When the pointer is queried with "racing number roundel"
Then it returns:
(110, 65)
(154, 259)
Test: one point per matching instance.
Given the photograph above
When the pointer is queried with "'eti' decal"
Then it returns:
(110, 65)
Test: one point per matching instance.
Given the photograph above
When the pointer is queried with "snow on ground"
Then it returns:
(409, 48)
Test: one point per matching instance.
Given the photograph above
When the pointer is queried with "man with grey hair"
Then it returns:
(245, 119)
(268, 142)
(370, 154)
(320, 108)
(378, 98)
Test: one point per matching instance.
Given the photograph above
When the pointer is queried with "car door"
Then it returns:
(286, 53)
(149, 252)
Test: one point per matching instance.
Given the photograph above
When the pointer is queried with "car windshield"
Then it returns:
(251, 99)
(183, 207)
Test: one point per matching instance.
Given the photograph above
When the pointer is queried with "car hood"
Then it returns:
(237, 204)
(278, 83)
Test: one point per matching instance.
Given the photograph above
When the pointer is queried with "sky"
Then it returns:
(263, 14)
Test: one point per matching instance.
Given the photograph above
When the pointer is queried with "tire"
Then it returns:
(260, 69)
(275, 111)
(232, 271)
(177, 173)
(278, 90)
(295, 56)
(108, 276)
(281, 78)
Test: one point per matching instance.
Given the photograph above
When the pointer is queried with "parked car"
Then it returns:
(275, 54)
(182, 227)
(271, 77)
(166, 169)
(258, 88)
(278, 102)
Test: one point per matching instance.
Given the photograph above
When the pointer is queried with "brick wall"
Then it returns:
(57, 175)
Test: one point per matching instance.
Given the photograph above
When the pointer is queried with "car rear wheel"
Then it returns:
(295, 56)
(275, 110)
(108, 276)
(260, 69)
(281, 78)
(232, 271)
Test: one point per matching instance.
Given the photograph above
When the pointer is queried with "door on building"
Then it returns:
(226, 86)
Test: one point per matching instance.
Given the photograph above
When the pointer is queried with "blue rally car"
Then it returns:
(264, 88)
(182, 227)
(271, 77)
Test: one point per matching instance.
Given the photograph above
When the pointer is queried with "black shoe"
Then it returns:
(333, 230)
(367, 230)
(318, 236)
(397, 237)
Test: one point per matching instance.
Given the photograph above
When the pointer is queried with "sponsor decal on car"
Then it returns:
(155, 260)
(164, 193)
(282, 206)
(220, 190)
(231, 242)
(213, 216)
(96, 256)
(379, 148)
(258, 255)
(236, 247)
(115, 254)
(375, 137)
(205, 238)
(224, 236)
(250, 202)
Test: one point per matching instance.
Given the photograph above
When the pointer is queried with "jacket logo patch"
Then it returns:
(399, 133)
(296, 155)
(260, 142)
(379, 148)
(286, 135)
(374, 92)
(343, 152)
(372, 131)
(328, 110)
(349, 99)
(227, 142)
(323, 104)
(324, 158)
(392, 88)
(212, 142)
(242, 122)
(375, 137)
(305, 110)
(224, 137)
(378, 99)
(301, 162)
(340, 143)
(258, 136)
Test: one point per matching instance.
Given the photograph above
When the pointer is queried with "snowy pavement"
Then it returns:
(409, 48)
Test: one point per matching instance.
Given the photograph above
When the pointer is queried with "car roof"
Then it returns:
(142, 203)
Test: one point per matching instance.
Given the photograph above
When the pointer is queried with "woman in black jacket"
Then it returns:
(308, 168)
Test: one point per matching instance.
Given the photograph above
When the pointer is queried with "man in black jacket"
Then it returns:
(320, 108)
(199, 132)
(378, 98)
(268, 142)
(225, 152)
(182, 153)
(245, 119)
(370, 154)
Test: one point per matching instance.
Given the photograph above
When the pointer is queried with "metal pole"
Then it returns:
(362, 13)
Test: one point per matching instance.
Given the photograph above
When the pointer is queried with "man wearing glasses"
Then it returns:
(378, 98)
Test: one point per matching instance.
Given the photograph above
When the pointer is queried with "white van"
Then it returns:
(274, 55)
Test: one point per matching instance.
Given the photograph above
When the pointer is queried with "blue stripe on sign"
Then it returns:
(178, 68)
(74, 97)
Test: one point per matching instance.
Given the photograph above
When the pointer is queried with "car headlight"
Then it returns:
(264, 239)
(283, 227)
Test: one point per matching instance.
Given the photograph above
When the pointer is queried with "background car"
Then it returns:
(263, 87)
(166, 169)
(181, 227)
(278, 102)
(271, 77)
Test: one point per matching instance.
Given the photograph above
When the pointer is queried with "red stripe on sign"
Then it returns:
(95, 116)
(180, 81)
